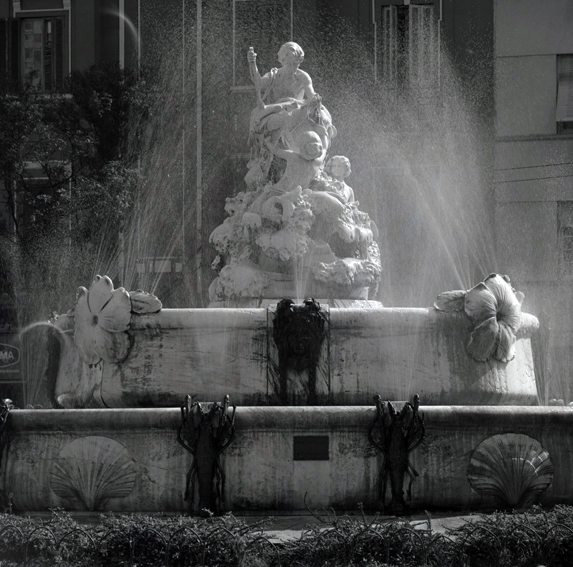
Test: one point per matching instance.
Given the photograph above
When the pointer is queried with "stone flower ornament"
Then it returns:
(494, 308)
(102, 317)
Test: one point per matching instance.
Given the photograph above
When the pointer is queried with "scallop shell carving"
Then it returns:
(91, 470)
(513, 468)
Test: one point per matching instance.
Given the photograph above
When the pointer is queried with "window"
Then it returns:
(264, 25)
(409, 46)
(34, 51)
(42, 52)
(9, 52)
(565, 227)
(3, 48)
(564, 114)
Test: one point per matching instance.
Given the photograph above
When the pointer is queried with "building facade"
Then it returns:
(44, 40)
(533, 170)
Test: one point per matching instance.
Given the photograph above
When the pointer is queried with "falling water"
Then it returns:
(419, 166)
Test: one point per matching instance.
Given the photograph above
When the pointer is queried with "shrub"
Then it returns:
(537, 537)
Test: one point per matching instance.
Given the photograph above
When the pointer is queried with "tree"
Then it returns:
(68, 183)
(67, 170)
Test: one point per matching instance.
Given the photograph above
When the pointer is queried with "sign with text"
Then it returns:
(10, 358)
(310, 448)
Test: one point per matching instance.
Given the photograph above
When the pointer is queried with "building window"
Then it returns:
(409, 46)
(565, 227)
(564, 115)
(33, 52)
(42, 52)
(264, 25)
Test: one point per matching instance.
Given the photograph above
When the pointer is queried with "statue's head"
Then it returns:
(291, 46)
(338, 167)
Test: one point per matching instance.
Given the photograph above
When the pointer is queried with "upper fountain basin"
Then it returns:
(208, 353)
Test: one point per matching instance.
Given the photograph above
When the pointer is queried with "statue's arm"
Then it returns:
(252, 60)
(307, 84)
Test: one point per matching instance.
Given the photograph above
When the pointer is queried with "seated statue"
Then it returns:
(286, 104)
(279, 90)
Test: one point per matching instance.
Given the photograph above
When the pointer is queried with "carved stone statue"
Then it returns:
(283, 89)
(281, 95)
(294, 217)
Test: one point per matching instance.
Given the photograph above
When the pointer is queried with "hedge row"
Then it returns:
(498, 540)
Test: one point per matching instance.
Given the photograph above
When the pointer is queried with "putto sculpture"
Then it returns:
(297, 229)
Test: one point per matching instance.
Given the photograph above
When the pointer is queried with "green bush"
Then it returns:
(497, 540)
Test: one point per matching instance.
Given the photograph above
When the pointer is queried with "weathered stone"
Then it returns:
(261, 473)
(214, 352)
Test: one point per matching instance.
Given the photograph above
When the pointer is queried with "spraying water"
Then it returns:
(419, 167)
(418, 162)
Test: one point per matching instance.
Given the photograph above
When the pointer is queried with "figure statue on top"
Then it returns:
(287, 106)
(285, 88)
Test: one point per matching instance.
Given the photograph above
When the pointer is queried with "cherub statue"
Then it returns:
(338, 167)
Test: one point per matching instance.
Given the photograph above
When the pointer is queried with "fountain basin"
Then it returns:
(208, 353)
(263, 470)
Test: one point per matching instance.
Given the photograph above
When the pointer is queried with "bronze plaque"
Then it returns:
(311, 448)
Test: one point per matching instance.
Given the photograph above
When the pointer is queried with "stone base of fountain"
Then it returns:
(129, 460)
(209, 353)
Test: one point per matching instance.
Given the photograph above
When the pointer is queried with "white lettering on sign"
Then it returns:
(8, 355)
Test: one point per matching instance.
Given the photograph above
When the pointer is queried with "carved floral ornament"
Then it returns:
(494, 308)
(102, 316)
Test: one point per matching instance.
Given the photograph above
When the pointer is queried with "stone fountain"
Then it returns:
(303, 374)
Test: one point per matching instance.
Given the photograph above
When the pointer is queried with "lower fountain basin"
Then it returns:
(208, 353)
(129, 460)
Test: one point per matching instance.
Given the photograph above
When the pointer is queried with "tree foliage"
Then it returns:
(68, 173)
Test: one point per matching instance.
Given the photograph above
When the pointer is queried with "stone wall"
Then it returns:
(129, 460)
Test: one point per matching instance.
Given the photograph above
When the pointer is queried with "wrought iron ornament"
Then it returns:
(206, 431)
(5, 407)
(396, 434)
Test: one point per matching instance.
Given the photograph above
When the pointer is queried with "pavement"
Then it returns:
(286, 527)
